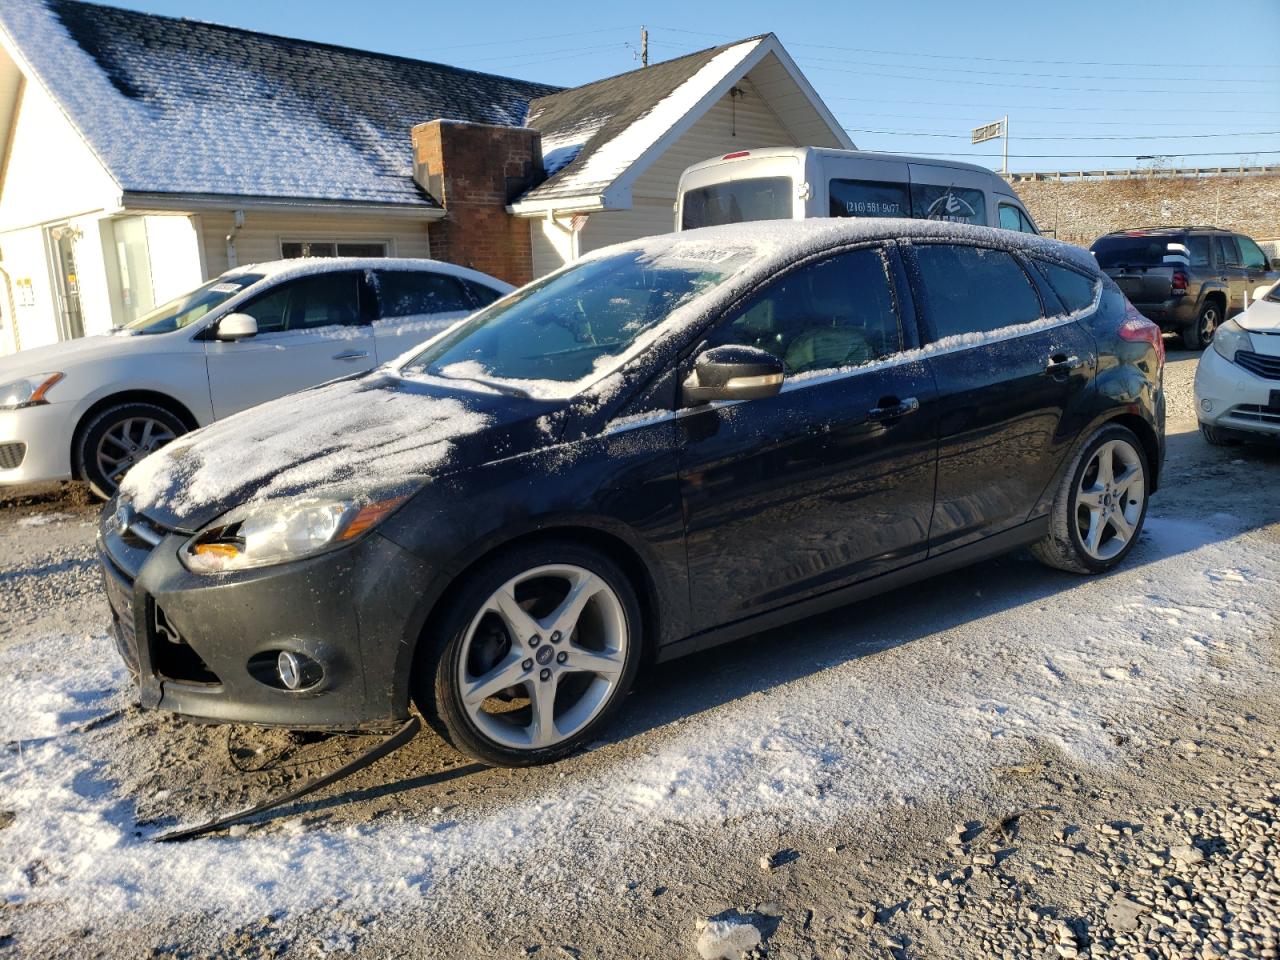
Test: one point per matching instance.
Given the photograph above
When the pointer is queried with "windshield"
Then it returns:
(190, 307)
(1132, 251)
(572, 325)
(737, 201)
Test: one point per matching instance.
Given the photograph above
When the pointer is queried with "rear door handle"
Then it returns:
(352, 355)
(890, 411)
(1062, 364)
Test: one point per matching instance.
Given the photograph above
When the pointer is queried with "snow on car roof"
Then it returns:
(303, 266)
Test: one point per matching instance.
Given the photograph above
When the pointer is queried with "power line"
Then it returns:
(513, 57)
(1182, 124)
(966, 57)
(1074, 137)
(524, 40)
(1023, 106)
(1086, 156)
(1127, 91)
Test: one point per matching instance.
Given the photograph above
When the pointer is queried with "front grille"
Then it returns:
(120, 601)
(12, 455)
(1262, 365)
(1255, 413)
(172, 657)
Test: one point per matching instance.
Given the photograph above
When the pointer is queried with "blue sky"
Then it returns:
(1079, 84)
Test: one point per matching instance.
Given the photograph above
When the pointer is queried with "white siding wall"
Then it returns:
(50, 177)
(552, 246)
(259, 240)
(727, 126)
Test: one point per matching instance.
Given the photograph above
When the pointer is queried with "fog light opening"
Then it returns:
(1206, 406)
(297, 671)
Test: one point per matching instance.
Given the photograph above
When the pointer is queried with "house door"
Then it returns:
(67, 278)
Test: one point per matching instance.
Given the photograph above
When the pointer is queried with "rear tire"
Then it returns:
(117, 438)
(1100, 506)
(1218, 438)
(519, 673)
(1200, 334)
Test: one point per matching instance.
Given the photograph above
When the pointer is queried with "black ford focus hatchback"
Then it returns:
(665, 445)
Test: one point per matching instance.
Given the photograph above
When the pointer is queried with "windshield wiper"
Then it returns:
(505, 389)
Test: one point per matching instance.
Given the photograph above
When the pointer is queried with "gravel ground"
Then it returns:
(1005, 762)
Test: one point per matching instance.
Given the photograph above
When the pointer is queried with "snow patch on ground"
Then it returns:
(886, 704)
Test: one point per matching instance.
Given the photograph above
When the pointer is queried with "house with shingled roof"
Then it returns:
(141, 155)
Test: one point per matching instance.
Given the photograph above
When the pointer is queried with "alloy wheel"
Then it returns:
(127, 442)
(1208, 325)
(1110, 499)
(543, 656)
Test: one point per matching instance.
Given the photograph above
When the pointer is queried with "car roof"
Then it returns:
(304, 266)
(764, 153)
(1162, 231)
(776, 243)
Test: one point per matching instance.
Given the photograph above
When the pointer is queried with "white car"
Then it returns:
(91, 408)
(1238, 380)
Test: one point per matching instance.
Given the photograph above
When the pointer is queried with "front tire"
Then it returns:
(1100, 505)
(533, 656)
(117, 438)
(1200, 334)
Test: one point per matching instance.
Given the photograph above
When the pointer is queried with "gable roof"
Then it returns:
(598, 137)
(185, 107)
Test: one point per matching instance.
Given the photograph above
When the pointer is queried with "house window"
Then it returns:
(291, 249)
(134, 292)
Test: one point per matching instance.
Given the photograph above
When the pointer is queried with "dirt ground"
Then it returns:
(1004, 762)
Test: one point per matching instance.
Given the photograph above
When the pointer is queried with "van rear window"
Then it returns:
(867, 198)
(739, 201)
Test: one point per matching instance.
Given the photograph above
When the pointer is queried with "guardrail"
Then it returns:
(1146, 173)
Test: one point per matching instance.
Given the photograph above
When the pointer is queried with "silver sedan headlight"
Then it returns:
(1230, 338)
(27, 391)
(263, 534)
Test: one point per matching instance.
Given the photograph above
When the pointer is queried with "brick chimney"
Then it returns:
(475, 170)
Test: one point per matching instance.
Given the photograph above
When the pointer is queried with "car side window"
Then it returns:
(321, 300)
(1198, 247)
(1251, 254)
(480, 293)
(1075, 290)
(411, 293)
(974, 289)
(1012, 218)
(1226, 249)
(839, 312)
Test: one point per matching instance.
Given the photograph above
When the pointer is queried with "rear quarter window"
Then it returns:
(1075, 290)
(973, 290)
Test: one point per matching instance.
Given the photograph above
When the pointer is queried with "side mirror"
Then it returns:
(733, 373)
(237, 326)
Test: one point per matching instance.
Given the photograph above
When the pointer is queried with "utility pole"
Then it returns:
(1004, 168)
(644, 46)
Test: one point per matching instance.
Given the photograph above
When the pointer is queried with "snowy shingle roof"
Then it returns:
(178, 106)
(594, 133)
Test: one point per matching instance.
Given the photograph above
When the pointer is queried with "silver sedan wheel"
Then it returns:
(1110, 499)
(543, 656)
(127, 442)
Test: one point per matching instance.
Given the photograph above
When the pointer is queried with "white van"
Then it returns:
(796, 183)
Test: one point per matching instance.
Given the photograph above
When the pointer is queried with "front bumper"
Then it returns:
(1232, 398)
(35, 444)
(204, 646)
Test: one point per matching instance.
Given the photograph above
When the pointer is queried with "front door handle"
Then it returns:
(1060, 363)
(888, 410)
(352, 355)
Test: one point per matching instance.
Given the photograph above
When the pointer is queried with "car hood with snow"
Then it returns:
(69, 354)
(379, 432)
(1263, 316)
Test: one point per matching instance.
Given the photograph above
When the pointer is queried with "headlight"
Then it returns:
(260, 535)
(1231, 337)
(27, 392)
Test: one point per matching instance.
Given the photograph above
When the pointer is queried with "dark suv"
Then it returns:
(1186, 279)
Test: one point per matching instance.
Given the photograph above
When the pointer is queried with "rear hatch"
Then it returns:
(1143, 264)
